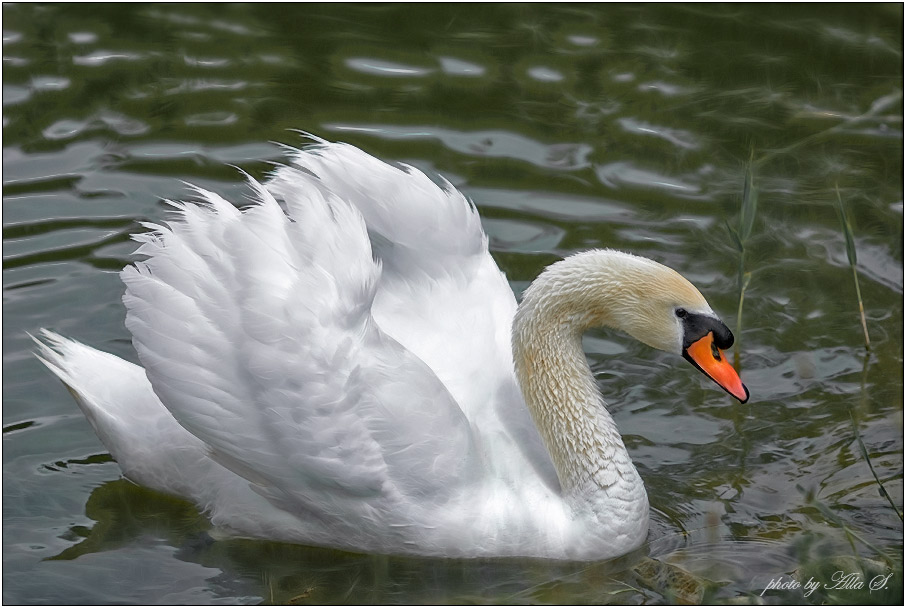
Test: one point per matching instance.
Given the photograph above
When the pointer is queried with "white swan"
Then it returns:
(340, 365)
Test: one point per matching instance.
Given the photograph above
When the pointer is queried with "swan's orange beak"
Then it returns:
(705, 355)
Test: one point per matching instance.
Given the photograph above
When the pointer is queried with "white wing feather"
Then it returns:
(256, 332)
(438, 278)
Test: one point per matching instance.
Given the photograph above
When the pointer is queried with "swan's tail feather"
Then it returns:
(78, 366)
(116, 398)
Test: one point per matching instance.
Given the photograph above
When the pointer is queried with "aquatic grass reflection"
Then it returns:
(882, 104)
(847, 579)
(740, 234)
(851, 256)
(864, 451)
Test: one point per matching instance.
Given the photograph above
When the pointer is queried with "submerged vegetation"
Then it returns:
(870, 574)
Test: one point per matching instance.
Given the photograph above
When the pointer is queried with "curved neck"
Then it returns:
(562, 396)
(559, 388)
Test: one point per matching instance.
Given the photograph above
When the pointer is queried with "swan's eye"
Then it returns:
(681, 312)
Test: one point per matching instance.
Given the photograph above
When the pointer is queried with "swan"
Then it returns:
(342, 364)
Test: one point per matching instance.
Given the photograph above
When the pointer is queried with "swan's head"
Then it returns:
(649, 301)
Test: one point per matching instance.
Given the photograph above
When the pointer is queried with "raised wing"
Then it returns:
(256, 332)
(441, 294)
(414, 224)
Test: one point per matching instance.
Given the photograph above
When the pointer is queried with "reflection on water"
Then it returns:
(496, 143)
(570, 127)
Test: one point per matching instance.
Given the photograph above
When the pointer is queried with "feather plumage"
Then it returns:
(333, 365)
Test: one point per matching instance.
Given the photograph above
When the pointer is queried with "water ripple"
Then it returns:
(491, 143)
(83, 37)
(458, 67)
(68, 128)
(625, 173)
(666, 89)
(102, 57)
(545, 74)
(379, 67)
(49, 83)
(678, 137)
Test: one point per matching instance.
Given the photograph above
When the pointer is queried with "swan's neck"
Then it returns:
(559, 388)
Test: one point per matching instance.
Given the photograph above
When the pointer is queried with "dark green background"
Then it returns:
(571, 127)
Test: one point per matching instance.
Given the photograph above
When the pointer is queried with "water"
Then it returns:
(571, 127)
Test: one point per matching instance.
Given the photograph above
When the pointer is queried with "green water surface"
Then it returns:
(571, 127)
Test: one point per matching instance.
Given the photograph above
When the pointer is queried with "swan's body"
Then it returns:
(335, 366)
